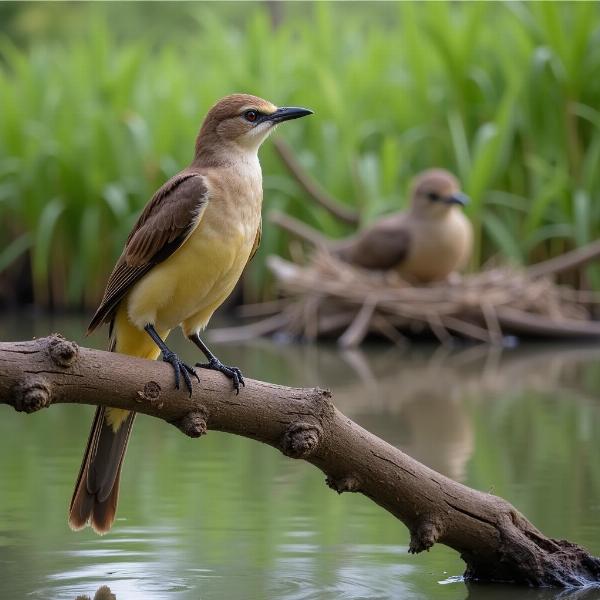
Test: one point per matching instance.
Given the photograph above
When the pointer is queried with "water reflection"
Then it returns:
(412, 397)
(103, 593)
(226, 517)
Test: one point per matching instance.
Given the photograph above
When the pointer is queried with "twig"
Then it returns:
(491, 322)
(541, 325)
(565, 262)
(437, 327)
(467, 329)
(299, 229)
(355, 334)
(260, 309)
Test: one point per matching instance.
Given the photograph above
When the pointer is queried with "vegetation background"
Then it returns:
(100, 103)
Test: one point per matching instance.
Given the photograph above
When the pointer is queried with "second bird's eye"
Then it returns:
(251, 115)
(433, 196)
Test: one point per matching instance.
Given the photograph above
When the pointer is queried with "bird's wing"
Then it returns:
(167, 221)
(381, 246)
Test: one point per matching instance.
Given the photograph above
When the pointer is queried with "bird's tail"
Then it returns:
(96, 492)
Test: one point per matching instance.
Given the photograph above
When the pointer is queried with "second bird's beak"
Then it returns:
(457, 198)
(287, 113)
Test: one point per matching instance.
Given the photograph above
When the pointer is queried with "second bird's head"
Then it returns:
(436, 193)
(242, 122)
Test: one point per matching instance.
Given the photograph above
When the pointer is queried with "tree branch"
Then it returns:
(299, 229)
(494, 539)
(566, 262)
(312, 187)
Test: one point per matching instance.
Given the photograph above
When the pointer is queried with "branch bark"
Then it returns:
(496, 542)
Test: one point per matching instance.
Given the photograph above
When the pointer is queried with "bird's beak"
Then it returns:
(457, 198)
(287, 113)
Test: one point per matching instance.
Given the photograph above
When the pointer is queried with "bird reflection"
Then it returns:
(419, 398)
(103, 593)
(420, 402)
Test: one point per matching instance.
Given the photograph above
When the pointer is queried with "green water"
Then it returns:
(225, 517)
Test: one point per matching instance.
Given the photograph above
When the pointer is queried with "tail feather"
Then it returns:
(104, 512)
(96, 492)
(97, 489)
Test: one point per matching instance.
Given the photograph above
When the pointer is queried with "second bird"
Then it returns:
(425, 243)
(182, 259)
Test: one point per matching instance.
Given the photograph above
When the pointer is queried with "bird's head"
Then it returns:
(435, 193)
(242, 122)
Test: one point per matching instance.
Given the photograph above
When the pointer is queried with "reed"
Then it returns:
(505, 95)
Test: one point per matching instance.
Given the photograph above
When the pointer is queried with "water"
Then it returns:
(225, 517)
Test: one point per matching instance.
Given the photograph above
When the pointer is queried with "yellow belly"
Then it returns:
(191, 284)
(135, 342)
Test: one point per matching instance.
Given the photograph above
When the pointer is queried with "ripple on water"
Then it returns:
(137, 563)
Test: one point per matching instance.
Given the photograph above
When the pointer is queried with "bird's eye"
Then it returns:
(251, 115)
(433, 196)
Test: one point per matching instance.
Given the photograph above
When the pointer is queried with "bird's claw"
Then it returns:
(232, 372)
(181, 369)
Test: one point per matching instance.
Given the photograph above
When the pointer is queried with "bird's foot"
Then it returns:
(181, 370)
(232, 372)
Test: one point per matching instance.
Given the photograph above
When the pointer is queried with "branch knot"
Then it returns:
(193, 424)
(349, 483)
(31, 394)
(425, 534)
(62, 352)
(151, 393)
(301, 439)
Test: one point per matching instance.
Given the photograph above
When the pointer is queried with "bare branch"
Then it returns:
(312, 187)
(494, 539)
(566, 262)
(299, 229)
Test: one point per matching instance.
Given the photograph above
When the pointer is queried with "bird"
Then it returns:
(425, 243)
(181, 260)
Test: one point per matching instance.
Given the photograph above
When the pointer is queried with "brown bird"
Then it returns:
(182, 259)
(424, 243)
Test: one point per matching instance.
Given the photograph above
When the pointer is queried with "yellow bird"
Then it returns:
(182, 259)
(425, 243)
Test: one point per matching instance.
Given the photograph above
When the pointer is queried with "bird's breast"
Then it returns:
(438, 247)
(205, 269)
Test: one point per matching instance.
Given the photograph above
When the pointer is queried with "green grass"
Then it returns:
(505, 95)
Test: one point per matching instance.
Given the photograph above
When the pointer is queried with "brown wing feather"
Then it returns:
(163, 226)
(379, 247)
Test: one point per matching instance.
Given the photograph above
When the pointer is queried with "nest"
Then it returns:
(327, 297)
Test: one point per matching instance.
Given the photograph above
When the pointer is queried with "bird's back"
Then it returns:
(380, 246)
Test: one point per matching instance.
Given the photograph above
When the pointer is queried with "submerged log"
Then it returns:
(496, 542)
